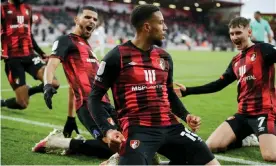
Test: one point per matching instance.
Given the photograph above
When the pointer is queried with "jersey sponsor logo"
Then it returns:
(101, 68)
(248, 78)
(150, 76)
(20, 19)
(19, 26)
(144, 87)
(9, 12)
(242, 70)
(134, 144)
(253, 57)
(27, 12)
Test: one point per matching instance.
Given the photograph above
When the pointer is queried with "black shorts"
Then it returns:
(244, 125)
(89, 123)
(16, 67)
(175, 142)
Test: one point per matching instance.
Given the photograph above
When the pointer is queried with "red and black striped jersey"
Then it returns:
(139, 81)
(80, 65)
(16, 30)
(254, 70)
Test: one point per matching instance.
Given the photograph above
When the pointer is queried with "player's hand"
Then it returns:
(193, 122)
(70, 126)
(49, 91)
(114, 139)
(45, 58)
(180, 90)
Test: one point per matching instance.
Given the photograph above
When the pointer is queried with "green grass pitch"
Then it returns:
(190, 68)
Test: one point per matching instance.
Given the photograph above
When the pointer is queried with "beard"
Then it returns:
(157, 42)
(82, 28)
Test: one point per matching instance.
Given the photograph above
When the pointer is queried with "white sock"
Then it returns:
(62, 143)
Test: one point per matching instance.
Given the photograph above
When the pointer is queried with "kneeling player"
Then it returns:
(18, 46)
(254, 70)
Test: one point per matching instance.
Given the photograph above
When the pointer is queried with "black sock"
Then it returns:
(95, 148)
(36, 89)
(12, 104)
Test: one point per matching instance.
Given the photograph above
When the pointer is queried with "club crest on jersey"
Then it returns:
(162, 64)
(236, 64)
(134, 144)
(253, 57)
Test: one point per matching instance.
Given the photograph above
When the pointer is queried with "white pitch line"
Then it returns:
(37, 123)
(178, 80)
(219, 157)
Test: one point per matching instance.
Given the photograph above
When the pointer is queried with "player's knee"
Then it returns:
(269, 156)
(216, 147)
(56, 84)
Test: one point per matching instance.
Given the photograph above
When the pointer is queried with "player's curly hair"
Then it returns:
(238, 22)
(142, 13)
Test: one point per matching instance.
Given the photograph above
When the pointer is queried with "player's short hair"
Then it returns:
(80, 11)
(258, 12)
(239, 22)
(142, 13)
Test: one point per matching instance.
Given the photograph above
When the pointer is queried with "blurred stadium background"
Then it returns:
(201, 23)
(197, 39)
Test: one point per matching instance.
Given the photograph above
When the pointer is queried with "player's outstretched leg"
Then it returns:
(56, 141)
(12, 103)
(220, 139)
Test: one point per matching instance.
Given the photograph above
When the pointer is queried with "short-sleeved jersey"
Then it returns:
(80, 65)
(254, 70)
(138, 80)
(16, 30)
